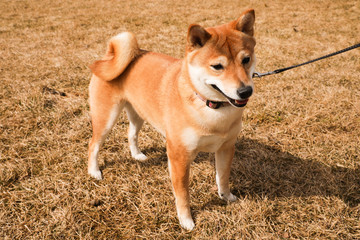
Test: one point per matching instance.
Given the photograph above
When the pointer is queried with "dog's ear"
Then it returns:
(245, 22)
(197, 36)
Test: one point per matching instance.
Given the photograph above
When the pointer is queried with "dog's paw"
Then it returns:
(228, 197)
(95, 174)
(187, 223)
(140, 156)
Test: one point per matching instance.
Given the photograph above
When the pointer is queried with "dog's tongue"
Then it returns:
(238, 103)
(241, 102)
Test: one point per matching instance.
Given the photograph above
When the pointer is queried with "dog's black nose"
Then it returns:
(245, 92)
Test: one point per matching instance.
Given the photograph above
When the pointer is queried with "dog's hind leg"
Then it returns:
(135, 124)
(103, 118)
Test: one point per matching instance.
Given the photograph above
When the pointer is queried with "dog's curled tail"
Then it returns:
(122, 49)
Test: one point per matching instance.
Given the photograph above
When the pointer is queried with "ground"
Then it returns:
(297, 164)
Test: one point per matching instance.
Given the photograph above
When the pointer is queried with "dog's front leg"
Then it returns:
(179, 168)
(223, 160)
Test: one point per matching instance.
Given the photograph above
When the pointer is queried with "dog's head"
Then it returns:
(221, 60)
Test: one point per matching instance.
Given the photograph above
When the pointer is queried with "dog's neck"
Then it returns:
(212, 104)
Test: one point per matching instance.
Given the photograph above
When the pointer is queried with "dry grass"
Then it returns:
(296, 168)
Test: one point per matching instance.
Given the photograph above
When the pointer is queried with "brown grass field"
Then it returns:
(297, 163)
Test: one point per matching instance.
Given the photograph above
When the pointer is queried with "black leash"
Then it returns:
(259, 75)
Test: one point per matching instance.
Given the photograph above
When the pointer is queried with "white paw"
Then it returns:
(140, 157)
(187, 223)
(228, 197)
(95, 174)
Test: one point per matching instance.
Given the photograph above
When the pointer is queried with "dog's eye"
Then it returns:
(217, 67)
(245, 60)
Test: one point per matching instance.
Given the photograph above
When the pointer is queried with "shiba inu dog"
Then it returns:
(196, 102)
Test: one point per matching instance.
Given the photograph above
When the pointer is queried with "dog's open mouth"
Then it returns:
(234, 102)
(238, 103)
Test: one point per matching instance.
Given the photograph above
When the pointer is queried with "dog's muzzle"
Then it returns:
(244, 93)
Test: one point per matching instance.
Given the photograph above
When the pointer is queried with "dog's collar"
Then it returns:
(211, 104)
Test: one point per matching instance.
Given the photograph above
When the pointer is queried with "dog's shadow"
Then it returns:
(261, 170)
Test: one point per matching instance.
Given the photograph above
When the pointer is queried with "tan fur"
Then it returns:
(122, 49)
(163, 91)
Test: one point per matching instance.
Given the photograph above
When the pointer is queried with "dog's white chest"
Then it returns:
(209, 143)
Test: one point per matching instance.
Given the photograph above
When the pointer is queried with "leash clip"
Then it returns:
(259, 75)
(256, 75)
